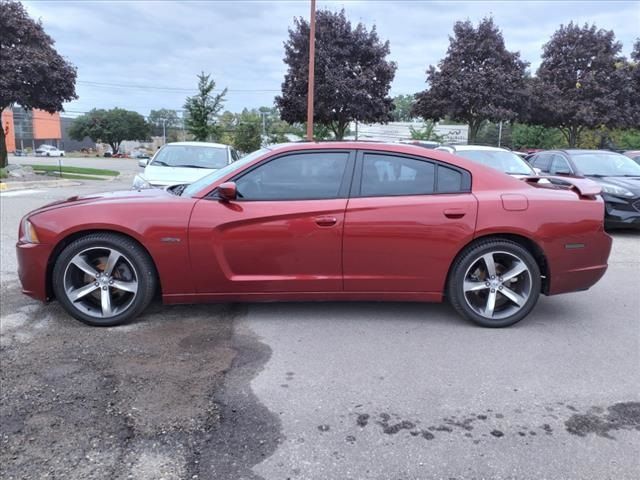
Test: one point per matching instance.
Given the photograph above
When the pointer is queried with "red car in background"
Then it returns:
(321, 221)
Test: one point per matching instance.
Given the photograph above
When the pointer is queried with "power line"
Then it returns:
(172, 89)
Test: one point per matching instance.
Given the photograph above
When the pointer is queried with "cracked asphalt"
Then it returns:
(320, 391)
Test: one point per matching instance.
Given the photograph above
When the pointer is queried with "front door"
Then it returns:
(406, 220)
(282, 234)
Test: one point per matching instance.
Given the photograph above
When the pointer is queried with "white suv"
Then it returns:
(49, 151)
(498, 158)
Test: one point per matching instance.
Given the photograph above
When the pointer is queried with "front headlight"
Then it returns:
(29, 234)
(615, 190)
(140, 183)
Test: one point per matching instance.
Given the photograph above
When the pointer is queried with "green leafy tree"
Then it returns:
(403, 108)
(583, 83)
(32, 72)
(427, 132)
(202, 110)
(110, 126)
(352, 75)
(535, 136)
(162, 116)
(478, 79)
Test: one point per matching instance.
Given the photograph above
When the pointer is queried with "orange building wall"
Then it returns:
(9, 130)
(46, 126)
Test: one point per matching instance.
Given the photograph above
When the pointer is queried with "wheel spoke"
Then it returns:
(515, 270)
(125, 286)
(513, 296)
(82, 264)
(78, 293)
(105, 301)
(491, 304)
(470, 286)
(111, 262)
(491, 266)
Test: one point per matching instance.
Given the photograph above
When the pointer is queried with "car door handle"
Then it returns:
(326, 221)
(454, 213)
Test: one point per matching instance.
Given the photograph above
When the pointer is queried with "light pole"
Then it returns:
(164, 131)
(312, 58)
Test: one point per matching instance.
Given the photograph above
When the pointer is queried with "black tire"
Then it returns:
(468, 258)
(48, 154)
(132, 252)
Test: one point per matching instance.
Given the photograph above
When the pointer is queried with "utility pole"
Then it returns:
(312, 61)
(164, 131)
(500, 134)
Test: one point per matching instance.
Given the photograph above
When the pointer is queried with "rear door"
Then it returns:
(406, 220)
(284, 231)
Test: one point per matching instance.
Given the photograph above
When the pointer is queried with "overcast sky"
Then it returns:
(145, 55)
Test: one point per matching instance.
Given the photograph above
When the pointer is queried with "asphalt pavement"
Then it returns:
(320, 390)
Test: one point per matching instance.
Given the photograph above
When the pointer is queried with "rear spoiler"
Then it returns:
(582, 186)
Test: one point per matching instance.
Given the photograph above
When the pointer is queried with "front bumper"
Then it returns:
(621, 212)
(33, 261)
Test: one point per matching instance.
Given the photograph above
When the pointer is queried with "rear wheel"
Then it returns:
(104, 279)
(494, 283)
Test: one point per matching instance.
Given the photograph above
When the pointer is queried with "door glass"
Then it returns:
(300, 176)
(560, 165)
(384, 175)
(542, 161)
(449, 180)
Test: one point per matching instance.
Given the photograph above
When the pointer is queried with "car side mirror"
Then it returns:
(563, 172)
(227, 191)
(143, 162)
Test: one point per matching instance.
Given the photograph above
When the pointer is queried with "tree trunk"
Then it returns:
(115, 146)
(4, 156)
(571, 135)
(474, 127)
(338, 129)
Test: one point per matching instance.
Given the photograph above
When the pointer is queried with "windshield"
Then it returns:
(502, 160)
(196, 186)
(605, 164)
(191, 156)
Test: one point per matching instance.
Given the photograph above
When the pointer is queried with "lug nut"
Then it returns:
(493, 290)
(486, 283)
(492, 277)
(97, 284)
(500, 287)
(110, 282)
(104, 288)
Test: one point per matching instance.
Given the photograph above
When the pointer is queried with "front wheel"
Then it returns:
(494, 283)
(104, 279)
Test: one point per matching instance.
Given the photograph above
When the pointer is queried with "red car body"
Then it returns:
(351, 248)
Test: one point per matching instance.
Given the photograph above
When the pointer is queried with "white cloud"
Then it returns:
(163, 43)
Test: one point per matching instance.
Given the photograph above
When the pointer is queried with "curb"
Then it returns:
(5, 186)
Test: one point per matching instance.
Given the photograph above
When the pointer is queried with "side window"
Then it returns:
(300, 176)
(384, 175)
(559, 165)
(234, 155)
(542, 161)
(450, 180)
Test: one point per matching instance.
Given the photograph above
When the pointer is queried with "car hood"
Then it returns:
(630, 183)
(150, 194)
(159, 175)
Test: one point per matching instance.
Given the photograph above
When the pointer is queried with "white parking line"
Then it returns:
(17, 193)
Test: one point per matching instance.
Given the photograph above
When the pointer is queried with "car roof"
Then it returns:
(199, 144)
(572, 151)
(466, 148)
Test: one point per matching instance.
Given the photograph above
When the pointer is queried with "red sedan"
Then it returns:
(321, 221)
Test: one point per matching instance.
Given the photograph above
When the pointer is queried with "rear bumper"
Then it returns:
(32, 269)
(578, 263)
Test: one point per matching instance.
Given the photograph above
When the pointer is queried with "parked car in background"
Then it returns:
(318, 221)
(500, 159)
(618, 175)
(49, 151)
(633, 155)
(183, 163)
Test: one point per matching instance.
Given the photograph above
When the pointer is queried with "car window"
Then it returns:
(384, 175)
(450, 180)
(605, 164)
(234, 155)
(559, 165)
(542, 161)
(299, 176)
(501, 160)
(189, 156)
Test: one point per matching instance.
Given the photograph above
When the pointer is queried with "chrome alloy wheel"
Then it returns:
(497, 285)
(101, 282)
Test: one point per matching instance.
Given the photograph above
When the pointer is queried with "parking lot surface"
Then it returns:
(318, 391)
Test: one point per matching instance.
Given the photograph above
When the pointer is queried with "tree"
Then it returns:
(403, 108)
(535, 136)
(32, 72)
(352, 76)
(163, 116)
(202, 110)
(582, 82)
(427, 132)
(478, 79)
(110, 127)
